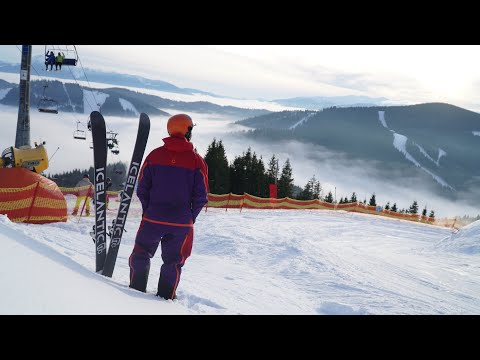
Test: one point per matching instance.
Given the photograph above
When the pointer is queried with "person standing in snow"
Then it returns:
(173, 188)
(108, 185)
(85, 190)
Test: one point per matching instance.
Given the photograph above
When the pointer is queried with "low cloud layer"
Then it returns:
(331, 169)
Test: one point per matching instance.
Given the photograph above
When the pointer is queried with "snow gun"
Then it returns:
(35, 159)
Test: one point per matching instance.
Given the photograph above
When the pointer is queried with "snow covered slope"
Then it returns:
(250, 262)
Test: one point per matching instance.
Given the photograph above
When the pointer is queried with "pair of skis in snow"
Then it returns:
(105, 260)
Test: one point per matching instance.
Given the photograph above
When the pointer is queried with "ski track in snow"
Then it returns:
(400, 143)
(381, 117)
(127, 105)
(3, 92)
(422, 150)
(90, 98)
(288, 262)
(302, 121)
(440, 154)
(69, 100)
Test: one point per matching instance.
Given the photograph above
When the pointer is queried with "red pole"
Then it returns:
(84, 202)
(33, 201)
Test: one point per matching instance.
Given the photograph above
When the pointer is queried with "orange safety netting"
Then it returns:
(83, 190)
(247, 201)
(26, 196)
(233, 201)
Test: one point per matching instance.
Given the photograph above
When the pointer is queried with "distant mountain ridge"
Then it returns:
(435, 142)
(70, 97)
(102, 77)
(321, 102)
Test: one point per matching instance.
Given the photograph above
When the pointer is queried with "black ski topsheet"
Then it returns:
(132, 175)
(100, 195)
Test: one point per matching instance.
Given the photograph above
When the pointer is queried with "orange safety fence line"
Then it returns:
(84, 189)
(17, 202)
(253, 202)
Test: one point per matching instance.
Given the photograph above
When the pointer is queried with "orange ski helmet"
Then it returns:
(180, 125)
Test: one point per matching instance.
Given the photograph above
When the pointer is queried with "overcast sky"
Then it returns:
(401, 73)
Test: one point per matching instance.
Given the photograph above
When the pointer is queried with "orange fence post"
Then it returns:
(226, 207)
(33, 201)
(243, 200)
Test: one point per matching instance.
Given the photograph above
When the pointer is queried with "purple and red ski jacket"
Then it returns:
(173, 183)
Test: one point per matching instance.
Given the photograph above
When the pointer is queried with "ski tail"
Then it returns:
(132, 176)
(100, 163)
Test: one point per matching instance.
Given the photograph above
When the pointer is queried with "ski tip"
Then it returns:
(144, 117)
(95, 117)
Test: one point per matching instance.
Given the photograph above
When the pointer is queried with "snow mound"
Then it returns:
(333, 308)
(466, 240)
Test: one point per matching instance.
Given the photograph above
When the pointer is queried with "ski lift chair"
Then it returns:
(47, 105)
(79, 134)
(71, 55)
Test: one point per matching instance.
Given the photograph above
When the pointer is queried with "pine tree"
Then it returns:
(317, 189)
(306, 193)
(372, 201)
(387, 207)
(237, 175)
(432, 214)
(353, 199)
(311, 190)
(285, 183)
(424, 212)
(413, 208)
(218, 169)
(329, 197)
(257, 185)
(273, 170)
(394, 207)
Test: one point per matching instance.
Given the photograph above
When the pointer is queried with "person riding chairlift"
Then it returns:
(49, 60)
(59, 61)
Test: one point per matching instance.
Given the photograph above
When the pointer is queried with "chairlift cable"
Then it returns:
(77, 121)
(31, 65)
(83, 70)
(85, 74)
(73, 76)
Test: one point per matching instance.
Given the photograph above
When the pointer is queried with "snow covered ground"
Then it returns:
(252, 262)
